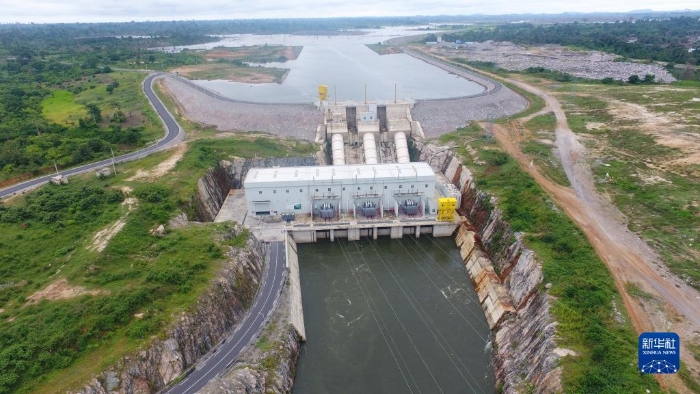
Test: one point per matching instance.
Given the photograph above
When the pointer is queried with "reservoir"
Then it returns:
(391, 316)
(347, 66)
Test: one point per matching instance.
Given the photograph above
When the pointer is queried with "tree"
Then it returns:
(649, 78)
(94, 112)
(634, 78)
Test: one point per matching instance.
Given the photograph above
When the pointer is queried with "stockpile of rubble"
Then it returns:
(584, 64)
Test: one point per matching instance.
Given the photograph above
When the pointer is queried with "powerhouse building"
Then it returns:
(327, 192)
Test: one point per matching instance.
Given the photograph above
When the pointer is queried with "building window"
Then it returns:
(412, 186)
(287, 190)
(343, 187)
(426, 185)
(274, 191)
(358, 188)
(301, 190)
(316, 189)
(329, 189)
(371, 188)
(400, 186)
(260, 192)
(385, 187)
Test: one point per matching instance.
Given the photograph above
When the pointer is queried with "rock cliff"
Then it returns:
(214, 187)
(508, 280)
(193, 333)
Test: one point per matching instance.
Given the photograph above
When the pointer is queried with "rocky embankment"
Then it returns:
(508, 281)
(214, 187)
(270, 365)
(196, 331)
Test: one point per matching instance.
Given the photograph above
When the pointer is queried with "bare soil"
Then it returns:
(101, 239)
(666, 129)
(60, 290)
(163, 167)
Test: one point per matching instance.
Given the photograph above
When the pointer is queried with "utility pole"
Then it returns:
(114, 167)
(56, 167)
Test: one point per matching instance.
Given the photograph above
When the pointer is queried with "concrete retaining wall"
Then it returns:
(493, 296)
(296, 310)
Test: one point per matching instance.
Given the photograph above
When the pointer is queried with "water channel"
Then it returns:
(391, 316)
(347, 66)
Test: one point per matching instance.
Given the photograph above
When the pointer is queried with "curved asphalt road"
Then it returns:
(224, 355)
(173, 134)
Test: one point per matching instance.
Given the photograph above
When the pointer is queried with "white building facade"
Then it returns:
(328, 192)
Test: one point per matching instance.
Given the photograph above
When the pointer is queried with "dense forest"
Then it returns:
(670, 40)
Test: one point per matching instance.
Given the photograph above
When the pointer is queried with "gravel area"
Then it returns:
(289, 120)
(444, 116)
(300, 120)
(438, 117)
(585, 64)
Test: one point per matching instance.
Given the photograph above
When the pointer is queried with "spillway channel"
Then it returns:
(391, 316)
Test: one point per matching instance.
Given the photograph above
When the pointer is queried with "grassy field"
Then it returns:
(585, 302)
(120, 297)
(645, 178)
(61, 107)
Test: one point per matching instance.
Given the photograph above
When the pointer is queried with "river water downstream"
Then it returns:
(391, 316)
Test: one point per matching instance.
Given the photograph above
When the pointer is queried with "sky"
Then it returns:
(66, 11)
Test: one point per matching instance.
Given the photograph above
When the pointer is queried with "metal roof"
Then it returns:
(275, 176)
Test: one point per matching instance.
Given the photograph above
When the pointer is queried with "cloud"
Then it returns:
(41, 11)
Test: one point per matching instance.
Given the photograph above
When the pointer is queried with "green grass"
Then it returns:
(662, 213)
(634, 290)
(581, 110)
(548, 165)
(546, 123)
(582, 287)
(61, 107)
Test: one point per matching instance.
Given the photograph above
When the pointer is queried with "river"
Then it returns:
(391, 316)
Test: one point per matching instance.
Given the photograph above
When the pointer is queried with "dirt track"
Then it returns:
(628, 257)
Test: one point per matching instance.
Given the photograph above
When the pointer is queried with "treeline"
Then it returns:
(666, 40)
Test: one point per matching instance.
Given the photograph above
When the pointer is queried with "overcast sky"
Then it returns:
(45, 11)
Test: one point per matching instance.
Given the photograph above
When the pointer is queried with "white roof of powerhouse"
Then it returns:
(275, 176)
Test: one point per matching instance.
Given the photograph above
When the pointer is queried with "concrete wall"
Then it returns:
(493, 296)
(508, 279)
(296, 310)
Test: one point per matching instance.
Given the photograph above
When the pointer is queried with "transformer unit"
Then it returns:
(327, 211)
(410, 207)
(369, 209)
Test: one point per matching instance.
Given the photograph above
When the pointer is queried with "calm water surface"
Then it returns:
(346, 65)
(391, 316)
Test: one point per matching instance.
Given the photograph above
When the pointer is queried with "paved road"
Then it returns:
(224, 355)
(173, 134)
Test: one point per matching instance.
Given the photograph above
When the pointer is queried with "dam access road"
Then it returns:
(222, 356)
(173, 134)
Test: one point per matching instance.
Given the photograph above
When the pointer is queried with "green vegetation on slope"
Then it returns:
(47, 235)
(586, 304)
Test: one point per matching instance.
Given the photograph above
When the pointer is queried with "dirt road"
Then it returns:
(627, 256)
